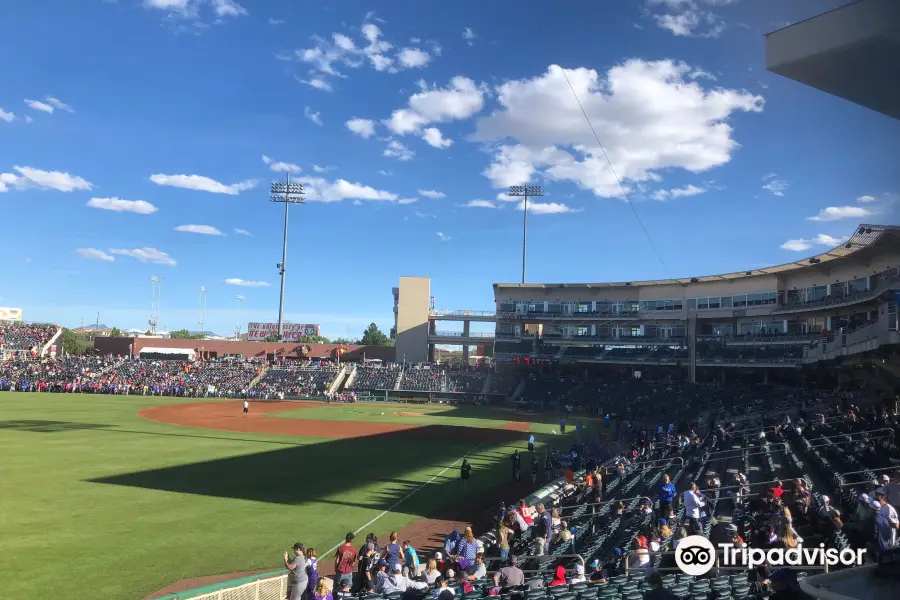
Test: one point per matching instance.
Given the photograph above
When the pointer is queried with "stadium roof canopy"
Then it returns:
(851, 52)
(864, 239)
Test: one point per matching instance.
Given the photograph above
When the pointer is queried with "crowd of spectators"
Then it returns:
(423, 378)
(67, 374)
(369, 377)
(25, 336)
(305, 381)
(182, 378)
(466, 382)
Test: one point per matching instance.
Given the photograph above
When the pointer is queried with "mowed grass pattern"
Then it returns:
(96, 502)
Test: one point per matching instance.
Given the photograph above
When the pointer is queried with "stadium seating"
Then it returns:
(466, 382)
(422, 378)
(307, 380)
(22, 336)
(375, 378)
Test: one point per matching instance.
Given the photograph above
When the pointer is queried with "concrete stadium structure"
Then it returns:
(851, 52)
(835, 304)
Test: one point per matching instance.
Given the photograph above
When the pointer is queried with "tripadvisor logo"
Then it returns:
(696, 556)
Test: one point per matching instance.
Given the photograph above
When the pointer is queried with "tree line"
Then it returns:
(79, 343)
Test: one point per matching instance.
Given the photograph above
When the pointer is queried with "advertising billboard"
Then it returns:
(10, 314)
(291, 332)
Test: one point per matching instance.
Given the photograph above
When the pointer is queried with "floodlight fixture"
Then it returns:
(524, 191)
(286, 193)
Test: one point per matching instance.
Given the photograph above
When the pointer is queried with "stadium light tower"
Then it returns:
(155, 300)
(237, 328)
(201, 312)
(525, 191)
(287, 193)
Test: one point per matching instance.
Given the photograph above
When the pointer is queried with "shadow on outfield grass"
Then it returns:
(35, 426)
(336, 470)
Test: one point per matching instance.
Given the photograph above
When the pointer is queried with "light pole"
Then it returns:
(201, 312)
(287, 193)
(525, 191)
(155, 301)
(237, 327)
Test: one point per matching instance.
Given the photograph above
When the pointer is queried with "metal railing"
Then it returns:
(719, 552)
(604, 502)
(462, 313)
(742, 450)
(846, 435)
(882, 286)
(473, 334)
(748, 485)
(845, 442)
(879, 470)
(629, 467)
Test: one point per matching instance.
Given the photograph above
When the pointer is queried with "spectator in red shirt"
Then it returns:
(345, 562)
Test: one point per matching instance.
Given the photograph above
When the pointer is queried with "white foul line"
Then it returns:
(406, 497)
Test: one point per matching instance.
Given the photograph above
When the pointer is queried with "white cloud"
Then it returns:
(397, 150)
(648, 115)
(698, 73)
(59, 104)
(407, 200)
(799, 245)
(28, 119)
(413, 58)
(480, 204)
(201, 229)
(329, 57)
(468, 35)
(140, 207)
(190, 9)
(385, 173)
(29, 178)
(273, 21)
(244, 283)
(241, 232)
(866, 199)
(443, 236)
(313, 116)
(686, 18)
(774, 185)
(684, 192)
(203, 184)
(6, 116)
(364, 128)
(317, 189)
(146, 255)
(836, 213)
(460, 100)
(94, 254)
(546, 208)
(433, 194)
(40, 106)
(318, 83)
(434, 138)
(320, 169)
(281, 167)
(228, 8)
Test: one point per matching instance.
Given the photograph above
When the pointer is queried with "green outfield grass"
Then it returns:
(96, 502)
(425, 414)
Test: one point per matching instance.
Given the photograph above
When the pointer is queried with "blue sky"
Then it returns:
(405, 119)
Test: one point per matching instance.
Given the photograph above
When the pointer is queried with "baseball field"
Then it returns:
(120, 496)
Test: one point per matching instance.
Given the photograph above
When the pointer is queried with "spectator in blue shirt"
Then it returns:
(667, 494)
